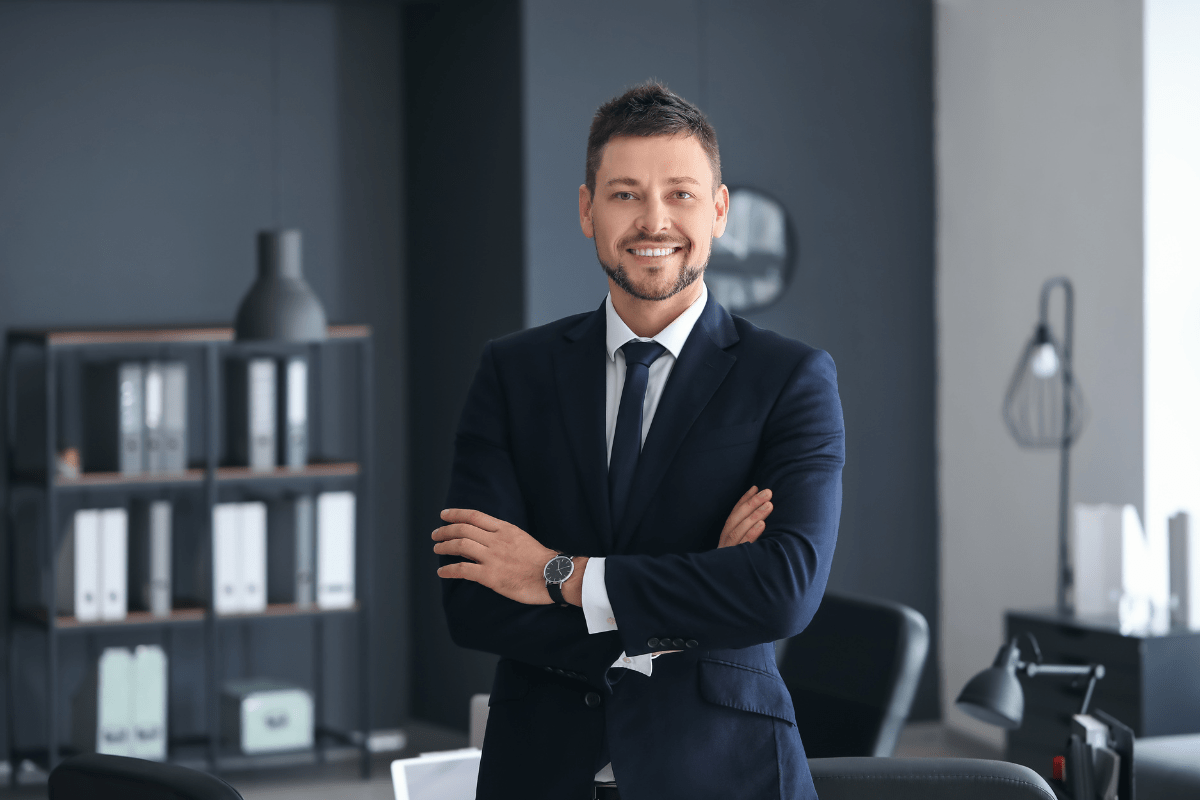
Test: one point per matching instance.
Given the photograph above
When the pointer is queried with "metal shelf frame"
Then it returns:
(214, 344)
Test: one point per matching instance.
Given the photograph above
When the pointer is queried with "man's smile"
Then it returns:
(653, 252)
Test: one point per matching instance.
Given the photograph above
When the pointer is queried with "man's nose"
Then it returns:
(654, 217)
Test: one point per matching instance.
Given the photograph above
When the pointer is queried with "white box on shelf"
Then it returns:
(103, 709)
(259, 715)
(1112, 566)
(1184, 554)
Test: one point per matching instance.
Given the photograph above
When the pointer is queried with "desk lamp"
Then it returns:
(995, 696)
(1044, 407)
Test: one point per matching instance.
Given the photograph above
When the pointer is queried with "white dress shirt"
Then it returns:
(597, 609)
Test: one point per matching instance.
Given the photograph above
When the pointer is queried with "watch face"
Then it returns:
(559, 569)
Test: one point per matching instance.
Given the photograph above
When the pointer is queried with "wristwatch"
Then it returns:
(557, 571)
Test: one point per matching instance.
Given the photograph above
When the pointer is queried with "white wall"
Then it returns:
(1039, 173)
(1172, 261)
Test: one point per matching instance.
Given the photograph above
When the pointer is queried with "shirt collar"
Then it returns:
(671, 337)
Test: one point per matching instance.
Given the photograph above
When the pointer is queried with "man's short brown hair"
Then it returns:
(649, 109)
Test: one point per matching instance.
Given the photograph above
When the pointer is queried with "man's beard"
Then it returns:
(688, 274)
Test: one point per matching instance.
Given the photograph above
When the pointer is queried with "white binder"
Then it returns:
(294, 431)
(85, 602)
(226, 558)
(131, 454)
(253, 523)
(153, 400)
(261, 381)
(335, 550)
(114, 555)
(174, 417)
(149, 703)
(114, 702)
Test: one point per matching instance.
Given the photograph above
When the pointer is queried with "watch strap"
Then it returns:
(555, 590)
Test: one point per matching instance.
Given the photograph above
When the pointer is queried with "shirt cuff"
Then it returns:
(643, 663)
(597, 611)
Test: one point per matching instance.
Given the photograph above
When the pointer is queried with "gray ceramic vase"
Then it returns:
(280, 306)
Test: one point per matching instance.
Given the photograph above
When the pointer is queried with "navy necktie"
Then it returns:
(627, 439)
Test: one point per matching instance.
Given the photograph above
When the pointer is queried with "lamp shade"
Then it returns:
(280, 305)
(995, 696)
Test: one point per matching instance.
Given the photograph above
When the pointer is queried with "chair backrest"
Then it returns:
(101, 777)
(926, 779)
(853, 673)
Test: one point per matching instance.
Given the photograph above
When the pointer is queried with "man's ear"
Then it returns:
(585, 211)
(722, 208)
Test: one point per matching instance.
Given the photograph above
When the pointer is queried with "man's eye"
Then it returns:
(684, 195)
(624, 195)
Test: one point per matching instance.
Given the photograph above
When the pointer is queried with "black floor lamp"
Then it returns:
(1044, 407)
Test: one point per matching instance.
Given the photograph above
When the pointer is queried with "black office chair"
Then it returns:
(853, 673)
(99, 777)
(926, 779)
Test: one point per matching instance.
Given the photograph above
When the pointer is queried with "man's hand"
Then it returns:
(747, 520)
(503, 557)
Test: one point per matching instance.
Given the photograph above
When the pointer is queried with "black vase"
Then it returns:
(280, 305)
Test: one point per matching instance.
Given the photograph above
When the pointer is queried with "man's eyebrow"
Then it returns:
(635, 182)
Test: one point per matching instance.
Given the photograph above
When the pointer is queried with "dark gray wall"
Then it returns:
(137, 144)
(465, 281)
(827, 106)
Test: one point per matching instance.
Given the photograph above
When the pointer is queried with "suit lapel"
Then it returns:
(579, 376)
(699, 371)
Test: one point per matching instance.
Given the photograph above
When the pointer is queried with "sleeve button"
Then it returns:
(692, 643)
(678, 643)
(652, 643)
(591, 699)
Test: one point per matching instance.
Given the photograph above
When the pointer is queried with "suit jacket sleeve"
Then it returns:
(752, 593)
(483, 478)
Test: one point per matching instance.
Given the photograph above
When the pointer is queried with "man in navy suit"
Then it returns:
(589, 539)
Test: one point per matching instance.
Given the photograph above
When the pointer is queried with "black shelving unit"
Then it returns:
(204, 484)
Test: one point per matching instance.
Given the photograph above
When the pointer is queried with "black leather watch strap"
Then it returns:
(555, 590)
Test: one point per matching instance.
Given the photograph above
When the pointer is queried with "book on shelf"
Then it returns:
(293, 412)
(335, 550)
(251, 412)
(114, 562)
(150, 557)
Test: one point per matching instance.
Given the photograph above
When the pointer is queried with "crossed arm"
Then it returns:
(509, 561)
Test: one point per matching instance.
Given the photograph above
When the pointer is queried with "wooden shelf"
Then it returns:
(331, 469)
(164, 335)
(224, 474)
(288, 610)
(117, 478)
(133, 618)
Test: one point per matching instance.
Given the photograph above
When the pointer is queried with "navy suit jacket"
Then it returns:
(742, 407)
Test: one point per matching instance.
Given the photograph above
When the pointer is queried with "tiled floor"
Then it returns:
(340, 780)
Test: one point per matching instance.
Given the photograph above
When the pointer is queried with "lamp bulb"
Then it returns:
(1044, 363)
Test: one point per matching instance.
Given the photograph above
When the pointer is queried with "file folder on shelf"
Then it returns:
(174, 419)
(293, 413)
(227, 583)
(335, 550)
(149, 700)
(114, 555)
(250, 419)
(253, 518)
(292, 549)
(239, 558)
(150, 557)
(152, 397)
(103, 709)
(78, 589)
(113, 418)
